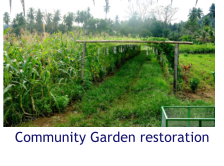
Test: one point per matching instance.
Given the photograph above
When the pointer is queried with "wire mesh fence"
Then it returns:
(187, 116)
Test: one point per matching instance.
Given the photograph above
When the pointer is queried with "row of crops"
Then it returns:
(197, 49)
(42, 77)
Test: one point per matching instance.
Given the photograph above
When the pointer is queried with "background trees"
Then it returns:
(106, 9)
(6, 18)
(157, 23)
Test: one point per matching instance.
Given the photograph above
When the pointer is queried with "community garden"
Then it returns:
(123, 84)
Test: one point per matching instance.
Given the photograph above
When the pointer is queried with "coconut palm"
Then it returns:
(212, 11)
(107, 8)
(69, 20)
(56, 19)
(150, 0)
(49, 23)
(206, 21)
(206, 35)
(195, 14)
(199, 13)
(39, 20)
(23, 4)
(39, 17)
(6, 18)
(30, 14)
(88, 13)
(30, 18)
(116, 22)
(212, 14)
(77, 17)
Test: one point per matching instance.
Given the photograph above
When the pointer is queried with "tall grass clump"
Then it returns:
(194, 84)
(42, 75)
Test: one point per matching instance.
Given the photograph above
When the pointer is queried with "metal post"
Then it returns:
(175, 68)
(214, 116)
(188, 116)
(83, 60)
(200, 123)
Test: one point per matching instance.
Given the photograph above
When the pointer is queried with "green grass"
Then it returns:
(133, 97)
(202, 66)
(198, 49)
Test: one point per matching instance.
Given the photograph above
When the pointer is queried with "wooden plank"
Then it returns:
(175, 68)
(131, 41)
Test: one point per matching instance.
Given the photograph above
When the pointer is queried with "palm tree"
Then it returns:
(69, 20)
(77, 18)
(117, 21)
(199, 13)
(212, 11)
(23, 4)
(206, 35)
(107, 8)
(151, 1)
(6, 18)
(56, 19)
(30, 14)
(195, 14)
(82, 17)
(39, 20)
(88, 13)
(39, 17)
(206, 21)
(49, 24)
(31, 17)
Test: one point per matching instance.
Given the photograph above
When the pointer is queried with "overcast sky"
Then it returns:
(118, 7)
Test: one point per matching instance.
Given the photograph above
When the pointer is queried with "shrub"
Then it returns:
(186, 38)
(61, 102)
(145, 33)
(194, 84)
(185, 54)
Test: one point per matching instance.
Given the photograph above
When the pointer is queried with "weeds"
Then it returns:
(194, 84)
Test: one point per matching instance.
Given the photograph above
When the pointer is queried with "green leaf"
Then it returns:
(54, 100)
(7, 88)
(46, 51)
(5, 31)
(8, 98)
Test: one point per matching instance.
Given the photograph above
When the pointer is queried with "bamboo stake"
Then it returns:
(131, 41)
(161, 57)
(83, 60)
(175, 68)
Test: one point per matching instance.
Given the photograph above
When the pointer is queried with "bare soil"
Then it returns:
(204, 93)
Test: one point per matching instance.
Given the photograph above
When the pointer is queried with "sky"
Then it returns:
(118, 7)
